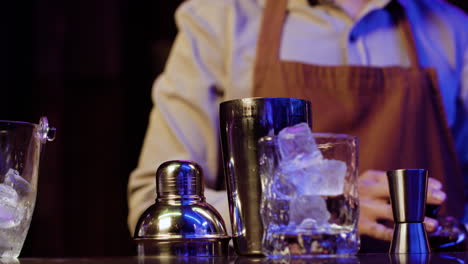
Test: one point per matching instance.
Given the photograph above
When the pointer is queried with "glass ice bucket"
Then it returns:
(310, 201)
(20, 150)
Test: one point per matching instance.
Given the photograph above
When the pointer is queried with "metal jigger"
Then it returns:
(408, 188)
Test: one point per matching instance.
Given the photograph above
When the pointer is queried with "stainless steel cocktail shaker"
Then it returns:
(243, 122)
(181, 223)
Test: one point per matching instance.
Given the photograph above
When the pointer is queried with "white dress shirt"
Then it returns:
(215, 52)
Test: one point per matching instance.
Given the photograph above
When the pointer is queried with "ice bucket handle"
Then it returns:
(45, 132)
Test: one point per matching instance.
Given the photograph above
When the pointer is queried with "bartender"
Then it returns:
(393, 72)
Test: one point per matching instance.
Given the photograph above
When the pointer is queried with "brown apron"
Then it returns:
(396, 112)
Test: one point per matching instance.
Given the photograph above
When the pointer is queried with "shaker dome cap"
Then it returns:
(179, 177)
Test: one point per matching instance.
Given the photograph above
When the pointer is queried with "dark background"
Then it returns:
(88, 66)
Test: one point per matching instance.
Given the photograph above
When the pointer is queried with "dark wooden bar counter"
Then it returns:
(378, 258)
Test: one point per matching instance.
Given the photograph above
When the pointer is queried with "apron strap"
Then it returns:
(271, 30)
(408, 35)
(269, 40)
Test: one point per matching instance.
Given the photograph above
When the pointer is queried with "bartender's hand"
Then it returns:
(374, 197)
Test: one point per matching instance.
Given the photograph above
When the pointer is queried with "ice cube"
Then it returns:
(10, 212)
(8, 193)
(14, 179)
(333, 173)
(326, 177)
(309, 212)
(302, 163)
(283, 188)
(297, 142)
(306, 178)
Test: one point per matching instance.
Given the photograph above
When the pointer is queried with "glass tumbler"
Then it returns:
(310, 207)
(20, 149)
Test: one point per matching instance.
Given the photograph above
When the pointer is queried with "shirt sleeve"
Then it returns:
(183, 123)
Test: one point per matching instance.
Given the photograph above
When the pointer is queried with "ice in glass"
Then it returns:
(310, 202)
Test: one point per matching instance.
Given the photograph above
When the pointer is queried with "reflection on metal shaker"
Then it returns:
(242, 123)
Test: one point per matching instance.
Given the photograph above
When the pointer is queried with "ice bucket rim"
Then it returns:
(18, 122)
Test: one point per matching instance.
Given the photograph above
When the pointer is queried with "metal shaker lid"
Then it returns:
(179, 177)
